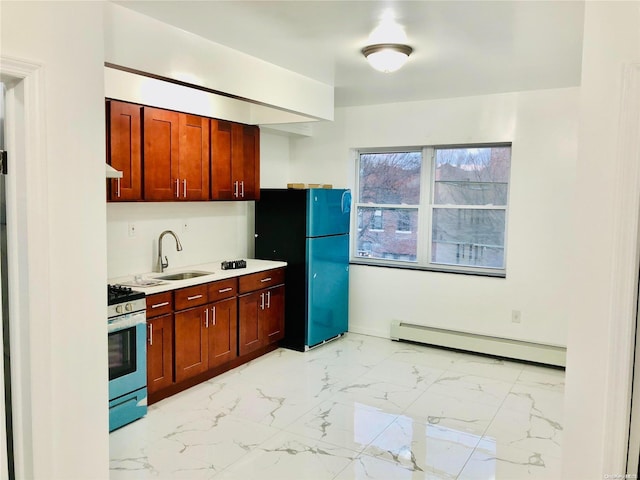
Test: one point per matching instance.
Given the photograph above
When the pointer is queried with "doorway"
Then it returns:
(633, 456)
(6, 424)
(26, 272)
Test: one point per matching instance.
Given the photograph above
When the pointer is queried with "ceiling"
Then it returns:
(461, 48)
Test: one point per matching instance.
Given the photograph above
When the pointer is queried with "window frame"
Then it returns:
(425, 209)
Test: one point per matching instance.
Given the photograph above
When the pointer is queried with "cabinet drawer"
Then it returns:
(159, 304)
(191, 297)
(256, 281)
(223, 289)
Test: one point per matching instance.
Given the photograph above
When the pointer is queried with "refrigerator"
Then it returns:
(308, 229)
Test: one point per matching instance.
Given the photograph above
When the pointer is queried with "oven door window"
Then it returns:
(122, 353)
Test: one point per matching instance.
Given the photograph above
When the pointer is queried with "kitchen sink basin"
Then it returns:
(182, 275)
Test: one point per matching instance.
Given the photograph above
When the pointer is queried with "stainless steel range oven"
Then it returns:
(127, 355)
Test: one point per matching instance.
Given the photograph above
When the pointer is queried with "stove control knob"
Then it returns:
(128, 307)
(119, 309)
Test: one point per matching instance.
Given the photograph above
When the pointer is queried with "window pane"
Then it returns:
(390, 178)
(468, 237)
(472, 176)
(387, 233)
(470, 193)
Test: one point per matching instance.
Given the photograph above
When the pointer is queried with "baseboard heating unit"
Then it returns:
(501, 347)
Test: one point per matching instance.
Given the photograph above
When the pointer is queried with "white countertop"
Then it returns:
(217, 273)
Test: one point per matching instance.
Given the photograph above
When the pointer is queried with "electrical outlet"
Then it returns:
(516, 316)
(185, 226)
(132, 230)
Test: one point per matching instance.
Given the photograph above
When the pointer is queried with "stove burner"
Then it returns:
(119, 294)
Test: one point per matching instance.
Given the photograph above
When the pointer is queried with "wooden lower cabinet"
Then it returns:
(205, 337)
(249, 335)
(274, 318)
(222, 335)
(159, 353)
(215, 327)
(261, 316)
(191, 343)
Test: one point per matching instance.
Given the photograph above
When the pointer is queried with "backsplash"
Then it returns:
(214, 231)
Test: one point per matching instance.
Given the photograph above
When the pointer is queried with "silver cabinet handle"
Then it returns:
(177, 188)
(184, 188)
(195, 297)
(206, 316)
(268, 279)
(118, 187)
(213, 312)
(150, 334)
(223, 290)
(242, 191)
(235, 189)
(262, 301)
(158, 305)
(268, 299)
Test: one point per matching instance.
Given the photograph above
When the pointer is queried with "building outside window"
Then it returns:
(442, 208)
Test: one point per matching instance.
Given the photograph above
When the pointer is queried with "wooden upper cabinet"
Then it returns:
(161, 149)
(172, 156)
(235, 161)
(124, 150)
(248, 168)
(221, 177)
(193, 164)
(176, 156)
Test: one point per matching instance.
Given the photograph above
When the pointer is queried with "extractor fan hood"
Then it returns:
(112, 172)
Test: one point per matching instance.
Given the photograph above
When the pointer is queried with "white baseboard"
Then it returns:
(502, 347)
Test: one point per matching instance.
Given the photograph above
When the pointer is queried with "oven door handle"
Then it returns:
(127, 321)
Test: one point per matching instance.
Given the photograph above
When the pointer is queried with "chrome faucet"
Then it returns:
(164, 264)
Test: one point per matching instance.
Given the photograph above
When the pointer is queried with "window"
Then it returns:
(439, 208)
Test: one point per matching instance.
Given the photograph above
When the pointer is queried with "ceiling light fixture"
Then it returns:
(387, 50)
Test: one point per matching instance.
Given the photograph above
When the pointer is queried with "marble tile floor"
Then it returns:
(359, 407)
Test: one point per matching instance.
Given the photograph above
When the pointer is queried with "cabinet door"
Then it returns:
(246, 162)
(273, 321)
(191, 343)
(250, 336)
(221, 180)
(124, 150)
(159, 353)
(161, 150)
(223, 332)
(193, 165)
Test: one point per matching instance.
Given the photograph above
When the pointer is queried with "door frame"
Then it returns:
(623, 292)
(28, 266)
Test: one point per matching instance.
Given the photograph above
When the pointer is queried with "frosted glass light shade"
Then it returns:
(387, 57)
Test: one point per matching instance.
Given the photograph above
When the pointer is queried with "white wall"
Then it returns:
(215, 230)
(69, 346)
(611, 40)
(136, 41)
(274, 160)
(543, 128)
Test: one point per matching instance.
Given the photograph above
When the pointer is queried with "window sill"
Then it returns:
(457, 271)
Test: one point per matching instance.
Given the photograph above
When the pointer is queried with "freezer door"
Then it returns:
(328, 211)
(328, 287)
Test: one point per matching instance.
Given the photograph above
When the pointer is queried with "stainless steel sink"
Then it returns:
(183, 275)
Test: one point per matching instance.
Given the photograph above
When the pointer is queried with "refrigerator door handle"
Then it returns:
(346, 201)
